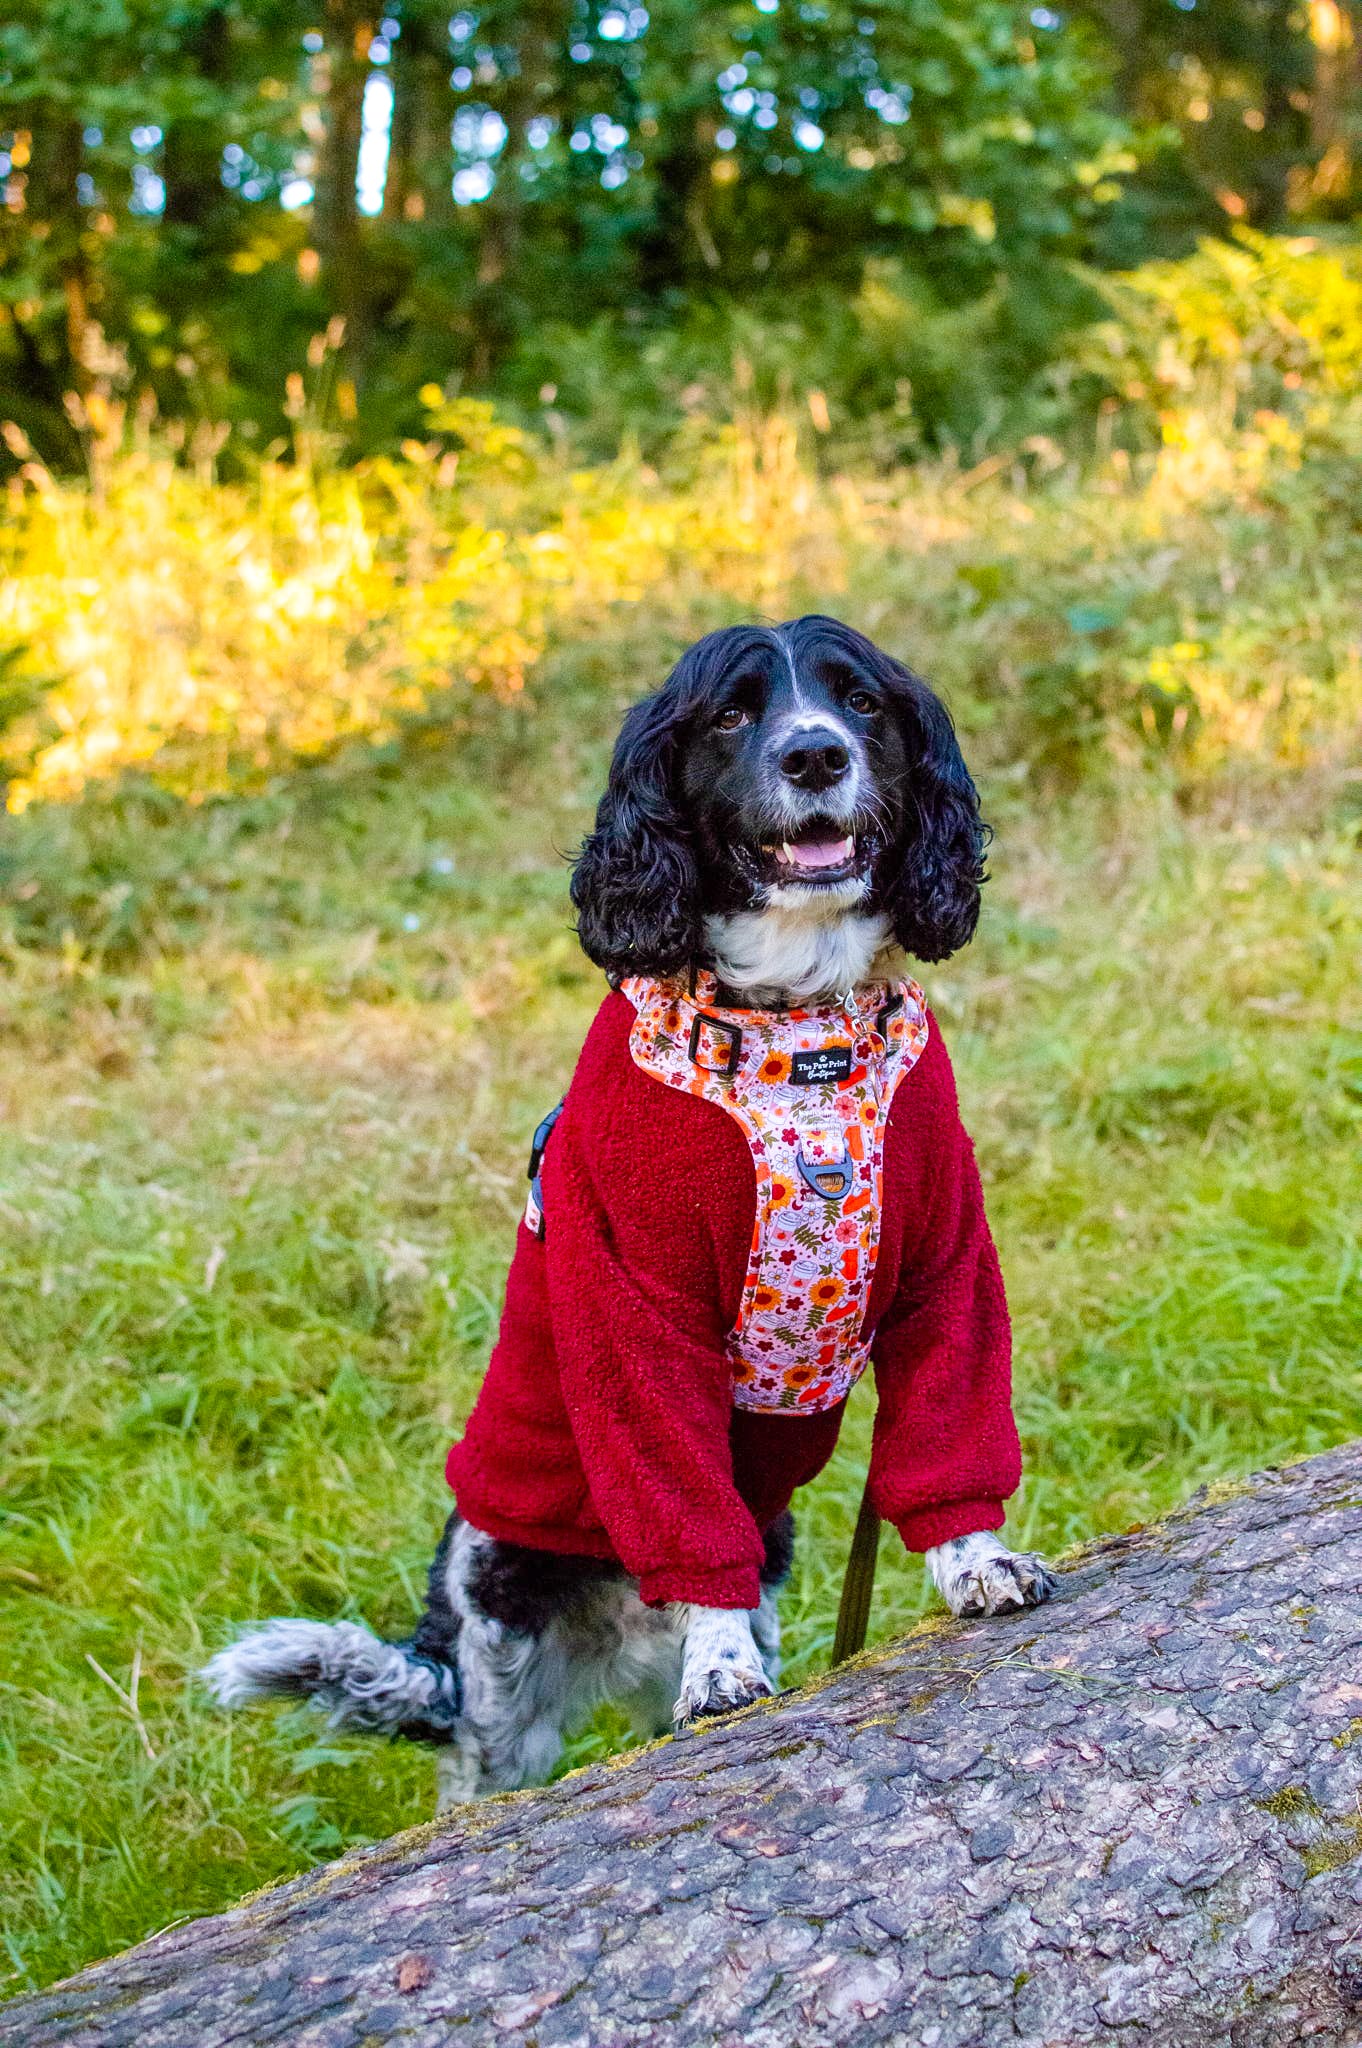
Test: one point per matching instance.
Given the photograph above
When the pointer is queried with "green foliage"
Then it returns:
(901, 370)
(1256, 321)
(611, 205)
(1249, 105)
(638, 169)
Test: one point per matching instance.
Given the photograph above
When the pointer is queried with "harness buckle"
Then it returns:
(840, 1172)
(540, 1140)
(734, 1052)
(534, 1201)
(886, 1014)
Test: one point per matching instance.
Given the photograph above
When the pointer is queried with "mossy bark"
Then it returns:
(1132, 1814)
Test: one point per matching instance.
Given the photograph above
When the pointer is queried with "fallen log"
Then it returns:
(1137, 1812)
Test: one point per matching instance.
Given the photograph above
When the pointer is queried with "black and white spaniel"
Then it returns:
(790, 812)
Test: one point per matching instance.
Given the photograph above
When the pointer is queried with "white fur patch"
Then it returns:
(766, 1633)
(979, 1575)
(521, 1693)
(804, 943)
(722, 1666)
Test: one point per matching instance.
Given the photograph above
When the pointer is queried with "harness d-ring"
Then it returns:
(841, 1172)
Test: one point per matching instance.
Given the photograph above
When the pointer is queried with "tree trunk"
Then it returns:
(1284, 137)
(54, 210)
(542, 29)
(192, 156)
(1133, 1812)
(1334, 101)
(349, 29)
(424, 83)
(403, 70)
(681, 228)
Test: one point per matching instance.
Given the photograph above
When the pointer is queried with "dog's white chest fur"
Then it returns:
(786, 952)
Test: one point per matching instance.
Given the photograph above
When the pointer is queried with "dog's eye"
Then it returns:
(730, 718)
(862, 701)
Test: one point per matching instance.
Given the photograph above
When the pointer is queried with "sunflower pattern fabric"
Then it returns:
(811, 1090)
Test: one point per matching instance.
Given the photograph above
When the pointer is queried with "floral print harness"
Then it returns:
(811, 1090)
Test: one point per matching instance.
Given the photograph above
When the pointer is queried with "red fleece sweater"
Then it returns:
(605, 1426)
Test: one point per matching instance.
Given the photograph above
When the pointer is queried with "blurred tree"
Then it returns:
(1335, 108)
(194, 187)
(1234, 81)
(343, 67)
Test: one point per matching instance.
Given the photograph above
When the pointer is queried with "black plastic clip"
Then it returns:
(534, 1207)
(882, 1020)
(540, 1140)
(734, 1034)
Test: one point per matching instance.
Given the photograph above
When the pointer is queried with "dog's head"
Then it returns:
(795, 771)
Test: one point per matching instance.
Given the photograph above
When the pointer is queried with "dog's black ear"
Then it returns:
(931, 888)
(635, 882)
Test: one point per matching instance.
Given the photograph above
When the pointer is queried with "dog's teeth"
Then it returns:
(815, 854)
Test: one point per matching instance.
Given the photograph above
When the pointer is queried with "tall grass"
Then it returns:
(289, 978)
(213, 631)
(1195, 606)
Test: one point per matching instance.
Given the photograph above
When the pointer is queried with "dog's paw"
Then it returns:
(721, 1669)
(979, 1575)
(718, 1690)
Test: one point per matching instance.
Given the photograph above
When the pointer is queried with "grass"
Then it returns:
(268, 1066)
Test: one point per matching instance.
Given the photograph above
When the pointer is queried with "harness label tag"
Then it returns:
(826, 1063)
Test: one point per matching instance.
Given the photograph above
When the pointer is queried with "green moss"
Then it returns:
(1334, 1843)
(1333, 1850)
(1290, 1803)
(1220, 1490)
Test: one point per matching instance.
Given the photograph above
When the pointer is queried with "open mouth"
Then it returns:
(817, 855)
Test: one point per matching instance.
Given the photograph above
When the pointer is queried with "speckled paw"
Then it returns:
(718, 1689)
(1003, 1584)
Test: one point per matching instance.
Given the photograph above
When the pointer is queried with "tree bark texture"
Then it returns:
(1133, 1815)
(349, 29)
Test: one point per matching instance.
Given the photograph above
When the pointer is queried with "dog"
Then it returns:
(784, 820)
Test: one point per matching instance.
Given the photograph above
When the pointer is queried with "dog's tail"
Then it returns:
(357, 1680)
(361, 1683)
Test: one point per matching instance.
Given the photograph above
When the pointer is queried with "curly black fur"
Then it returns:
(435, 1643)
(635, 882)
(929, 879)
(525, 1590)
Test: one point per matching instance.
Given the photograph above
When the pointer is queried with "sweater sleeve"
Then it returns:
(639, 1336)
(945, 1455)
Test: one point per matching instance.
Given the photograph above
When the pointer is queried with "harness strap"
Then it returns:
(858, 1586)
(811, 1090)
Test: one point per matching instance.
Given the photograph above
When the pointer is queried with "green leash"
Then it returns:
(858, 1585)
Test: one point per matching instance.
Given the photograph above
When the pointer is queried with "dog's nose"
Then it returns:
(815, 764)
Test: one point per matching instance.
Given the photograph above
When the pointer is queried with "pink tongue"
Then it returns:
(821, 853)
